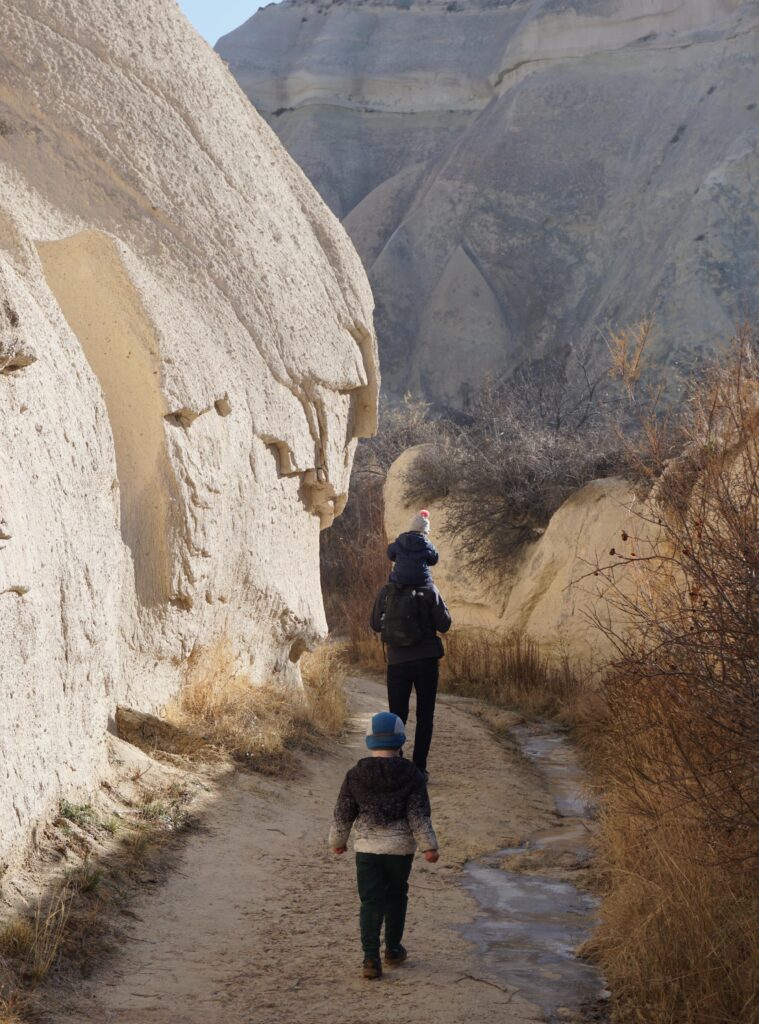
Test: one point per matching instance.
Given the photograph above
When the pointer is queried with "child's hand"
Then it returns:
(432, 856)
(339, 849)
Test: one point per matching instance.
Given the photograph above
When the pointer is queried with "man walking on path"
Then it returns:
(410, 619)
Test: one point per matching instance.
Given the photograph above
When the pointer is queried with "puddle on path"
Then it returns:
(528, 926)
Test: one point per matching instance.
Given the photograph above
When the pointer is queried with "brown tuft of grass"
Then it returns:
(33, 944)
(509, 670)
(15, 1007)
(678, 938)
(262, 726)
(323, 671)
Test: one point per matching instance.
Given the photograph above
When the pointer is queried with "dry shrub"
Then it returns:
(680, 833)
(508, 670)
(260, 727)
(527, 444)
(354, 567)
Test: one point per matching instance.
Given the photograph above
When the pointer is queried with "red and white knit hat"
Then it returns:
(420, 522)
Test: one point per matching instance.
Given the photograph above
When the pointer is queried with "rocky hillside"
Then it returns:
(520, 173)
(187, 358)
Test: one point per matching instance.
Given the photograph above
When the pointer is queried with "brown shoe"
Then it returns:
(372, 967)
(395, 956)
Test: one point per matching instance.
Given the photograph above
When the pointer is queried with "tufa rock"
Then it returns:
(165, 258)
(549, 591)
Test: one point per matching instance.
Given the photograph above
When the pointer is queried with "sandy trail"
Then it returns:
(259, 924)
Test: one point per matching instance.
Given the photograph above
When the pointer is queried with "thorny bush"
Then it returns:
(681, 828)
(531, 441)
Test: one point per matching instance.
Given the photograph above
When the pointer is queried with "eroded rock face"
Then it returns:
(521, 173)
(549, 591)
(187, 358)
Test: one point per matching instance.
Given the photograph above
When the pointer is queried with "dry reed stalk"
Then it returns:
(509, 670)
(34, 943)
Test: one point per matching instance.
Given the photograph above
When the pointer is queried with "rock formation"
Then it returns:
(549, 591)
(187, 358)
(517, 174)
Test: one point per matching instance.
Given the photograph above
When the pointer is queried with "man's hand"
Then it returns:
(339, 849)
(432, 856)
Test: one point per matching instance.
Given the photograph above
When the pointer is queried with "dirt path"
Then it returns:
(259, 923)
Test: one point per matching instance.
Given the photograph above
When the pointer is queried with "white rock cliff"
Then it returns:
(518, 174)
(187, 358)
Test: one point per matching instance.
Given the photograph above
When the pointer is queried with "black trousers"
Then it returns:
(421, 676)
(383, 888)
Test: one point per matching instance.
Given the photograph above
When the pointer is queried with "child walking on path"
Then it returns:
(413, 553)
(384, 801)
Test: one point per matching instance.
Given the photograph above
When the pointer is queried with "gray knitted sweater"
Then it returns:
(384, 802)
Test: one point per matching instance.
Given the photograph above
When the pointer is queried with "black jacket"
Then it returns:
(438, 621)
(412, 553)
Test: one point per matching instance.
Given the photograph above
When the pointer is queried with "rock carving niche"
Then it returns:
(104, 310)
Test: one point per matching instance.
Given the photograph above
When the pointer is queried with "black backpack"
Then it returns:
(402, 624)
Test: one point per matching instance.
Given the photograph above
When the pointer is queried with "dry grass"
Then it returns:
(509, 670)
(35, 943)
(680, 832)
(678, 939)
(366, 652)
(72, 925)
(14, 1004)
(323, 671)
(261, 727)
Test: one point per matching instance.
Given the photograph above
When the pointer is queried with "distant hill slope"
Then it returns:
(519, 174)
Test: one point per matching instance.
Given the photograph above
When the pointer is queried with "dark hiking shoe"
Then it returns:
(372, 967)
(395, 956)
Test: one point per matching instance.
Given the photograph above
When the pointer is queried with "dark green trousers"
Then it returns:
(383, 889)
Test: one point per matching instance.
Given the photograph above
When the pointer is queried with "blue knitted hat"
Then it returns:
(386, 732)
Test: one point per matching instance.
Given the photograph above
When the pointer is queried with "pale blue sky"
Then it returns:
(214, 18)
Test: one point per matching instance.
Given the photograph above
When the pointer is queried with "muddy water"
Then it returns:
(528, 925)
